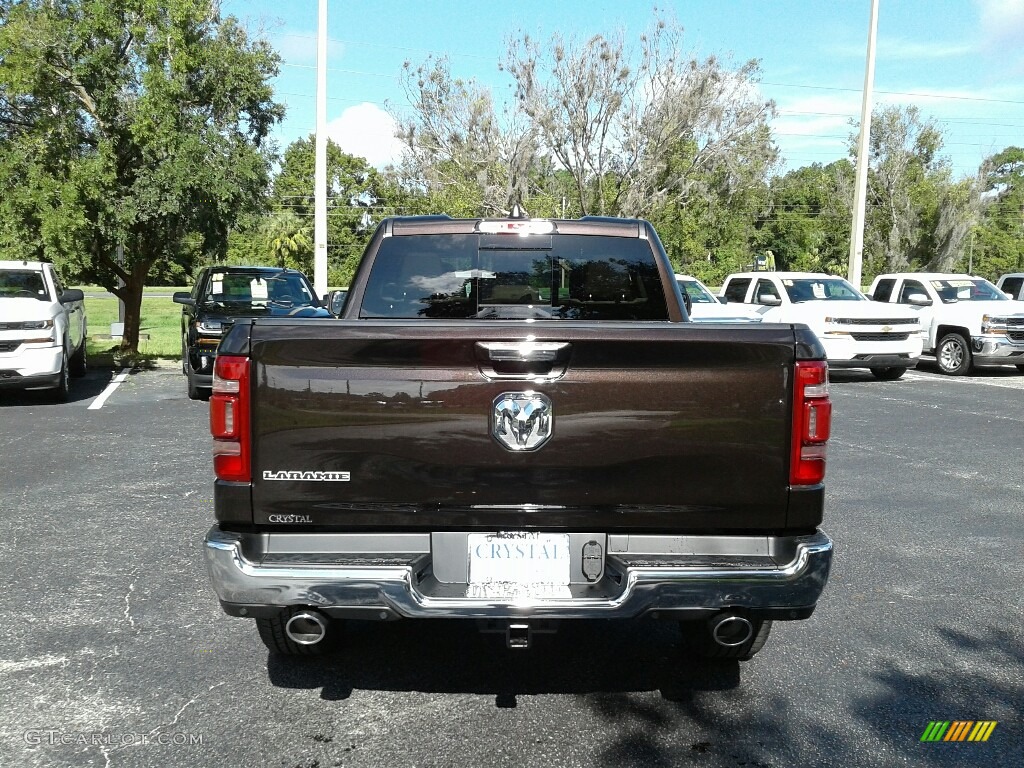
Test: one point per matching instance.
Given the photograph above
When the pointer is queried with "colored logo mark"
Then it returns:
(959, 730)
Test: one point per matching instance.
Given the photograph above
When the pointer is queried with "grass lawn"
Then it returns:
(161, 320)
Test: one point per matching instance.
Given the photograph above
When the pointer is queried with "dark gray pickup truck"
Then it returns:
(515, 421)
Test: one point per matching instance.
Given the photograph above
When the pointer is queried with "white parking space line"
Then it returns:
(102, 397)
(911, 376)
(1005, 382)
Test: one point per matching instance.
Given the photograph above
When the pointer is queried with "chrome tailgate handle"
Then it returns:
(524, 351)
(522, 359)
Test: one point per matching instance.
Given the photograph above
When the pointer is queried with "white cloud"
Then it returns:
(897, 49)
(902, 49)
(367, 131)
(1002, 21)
(815, 128)
(298, 48)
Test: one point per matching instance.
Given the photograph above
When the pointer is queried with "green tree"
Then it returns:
(713, 230)
(594, 128)
(999, 235)
(358, 195)
(807, 225)
(917, 217)
(641, 130)
(461, 157)
(129, 123)
(288, 239)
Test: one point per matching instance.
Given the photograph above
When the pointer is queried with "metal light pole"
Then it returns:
(857, 232)
(320, 172)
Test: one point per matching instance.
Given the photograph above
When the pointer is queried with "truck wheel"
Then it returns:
(888, 374)
(195, 392)
(62, 391)
(79, 361)
(954, 355)
(274, 635)
(698, 638)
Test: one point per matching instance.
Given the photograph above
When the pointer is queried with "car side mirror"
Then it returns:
(722, 299)
(70, 295)
(183, 297)
(919, 300)
(688, 302)
(1009, 295)
(769, 301)
(335, 302)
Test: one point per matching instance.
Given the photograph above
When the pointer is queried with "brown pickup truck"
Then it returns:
(515, 421)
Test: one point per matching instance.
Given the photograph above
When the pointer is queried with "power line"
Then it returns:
(894, 93)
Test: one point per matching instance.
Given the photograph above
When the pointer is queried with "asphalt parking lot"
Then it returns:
(115, 653)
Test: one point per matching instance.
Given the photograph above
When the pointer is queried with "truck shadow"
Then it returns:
(85, 388)
(704, 715)
(451, 656)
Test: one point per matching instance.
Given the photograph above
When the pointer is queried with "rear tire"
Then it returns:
(79, 361)
(888, 374)
(953, 354)
(277, 641)
(698, 639)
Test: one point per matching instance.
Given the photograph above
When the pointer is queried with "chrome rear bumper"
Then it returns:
(784, 576)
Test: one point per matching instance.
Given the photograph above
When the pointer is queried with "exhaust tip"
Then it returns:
(306, 628)
(731, 631)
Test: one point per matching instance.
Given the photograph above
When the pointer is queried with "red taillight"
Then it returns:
(812, 422)
(229, 419)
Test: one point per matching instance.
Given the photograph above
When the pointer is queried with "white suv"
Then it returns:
(853, 330)
(42, 329)
(968, 320)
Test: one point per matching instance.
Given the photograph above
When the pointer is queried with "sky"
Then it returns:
(961, 62)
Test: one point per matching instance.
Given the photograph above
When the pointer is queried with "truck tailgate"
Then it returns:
(654, 426)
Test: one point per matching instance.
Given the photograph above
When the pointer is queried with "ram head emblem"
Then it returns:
(522, 421)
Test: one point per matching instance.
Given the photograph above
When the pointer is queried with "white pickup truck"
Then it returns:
(967, 319)
(853, 331)
(1012, 285)
(42, 329)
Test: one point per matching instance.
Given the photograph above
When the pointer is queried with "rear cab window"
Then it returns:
(497, 277)
(883, 291)
(1012, 286)
(736, 289)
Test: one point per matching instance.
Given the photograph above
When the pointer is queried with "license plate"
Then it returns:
(518, 565)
